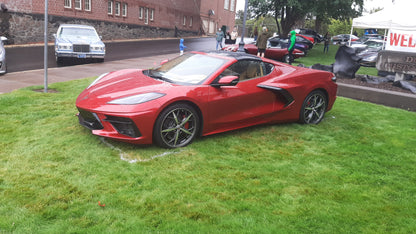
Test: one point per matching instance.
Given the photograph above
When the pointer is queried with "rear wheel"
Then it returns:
(176, 126)
(313, 108)
(286, 59)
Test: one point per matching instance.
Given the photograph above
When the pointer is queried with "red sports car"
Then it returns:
(272, 52)
(202, 93)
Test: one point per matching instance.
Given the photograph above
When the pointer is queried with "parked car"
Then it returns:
(343, 38)
(3, 64)
(202, 93)
(310, 33)
(368, 57)
(284, 43)
(371, 43)
(78, 41)
(277, 52)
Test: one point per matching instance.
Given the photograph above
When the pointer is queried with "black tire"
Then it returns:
(176, 126)
(313, 108)
(59, 60)
(286, 58)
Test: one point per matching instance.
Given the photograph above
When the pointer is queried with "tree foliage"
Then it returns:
(288, 12)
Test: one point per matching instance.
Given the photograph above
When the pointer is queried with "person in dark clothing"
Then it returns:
(261, 42)
(327, 39)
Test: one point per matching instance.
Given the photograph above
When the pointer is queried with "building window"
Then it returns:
(110, 7)
(226, 4)
(117, 8)
(152, 14)
(184, 20)
(190, 22)
(87, 5)
(146, 16)
(68, 3)
(232, 5)
(125, 9)
(77, 4)
(141, 13)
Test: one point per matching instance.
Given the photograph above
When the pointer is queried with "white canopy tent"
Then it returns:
(401, 16)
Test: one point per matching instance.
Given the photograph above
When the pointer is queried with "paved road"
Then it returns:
(23, 58)
(16, 80)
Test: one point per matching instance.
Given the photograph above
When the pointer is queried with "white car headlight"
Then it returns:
(98, 79)
(64, 46)
(137, 99)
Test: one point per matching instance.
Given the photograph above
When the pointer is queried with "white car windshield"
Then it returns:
(78, 32)
(187, 69)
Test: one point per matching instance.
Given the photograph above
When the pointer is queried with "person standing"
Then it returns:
(326, 42)
(292, 45)
(181, 46)
(234, 35)
(220, 36)
(255, 33)
(261, 42)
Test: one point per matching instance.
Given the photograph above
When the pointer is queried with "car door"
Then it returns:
(244, 104)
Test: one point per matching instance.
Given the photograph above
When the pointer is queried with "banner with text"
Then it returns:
(399, 40)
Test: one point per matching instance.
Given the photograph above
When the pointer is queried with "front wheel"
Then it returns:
(313, 108)
(176, 126)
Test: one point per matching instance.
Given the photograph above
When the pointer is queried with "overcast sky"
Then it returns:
(368, 4)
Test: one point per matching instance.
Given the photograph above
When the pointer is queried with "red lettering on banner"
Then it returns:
(394, 39)
(404, 40)
(411, 43)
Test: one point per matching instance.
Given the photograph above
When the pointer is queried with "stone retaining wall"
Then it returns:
(22, 28)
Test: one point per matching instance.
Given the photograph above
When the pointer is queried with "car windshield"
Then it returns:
(187, 69)
(78, 32)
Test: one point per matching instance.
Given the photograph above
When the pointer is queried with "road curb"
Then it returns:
(378, 96)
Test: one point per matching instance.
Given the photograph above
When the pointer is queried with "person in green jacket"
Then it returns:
(292, 45)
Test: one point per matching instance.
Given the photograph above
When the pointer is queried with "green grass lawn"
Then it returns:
(353, 173)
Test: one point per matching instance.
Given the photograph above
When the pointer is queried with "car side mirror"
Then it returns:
(227, 81)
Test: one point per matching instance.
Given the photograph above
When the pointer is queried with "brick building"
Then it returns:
(117, 19)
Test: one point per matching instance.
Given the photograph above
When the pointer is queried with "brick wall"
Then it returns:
(26, 22)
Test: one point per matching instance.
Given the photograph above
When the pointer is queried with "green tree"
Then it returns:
(287, 12)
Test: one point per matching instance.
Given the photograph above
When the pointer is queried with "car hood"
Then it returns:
(79, 40)
(120, 84)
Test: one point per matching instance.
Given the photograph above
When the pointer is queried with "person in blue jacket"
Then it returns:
(181, 46)
(292, 46)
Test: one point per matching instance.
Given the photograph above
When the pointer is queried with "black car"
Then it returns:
(310, 33)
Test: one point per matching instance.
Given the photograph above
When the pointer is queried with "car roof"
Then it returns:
(234, 55)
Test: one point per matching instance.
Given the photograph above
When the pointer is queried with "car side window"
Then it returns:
(248, 69)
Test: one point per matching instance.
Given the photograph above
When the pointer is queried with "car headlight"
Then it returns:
(98, 79)
(64, 46)
(137, 99)
(97, 47)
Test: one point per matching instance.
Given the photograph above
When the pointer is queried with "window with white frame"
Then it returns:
(117, 8)
(124, 10)
(141, 13)
(226, 4)
(77, 4)
(232, 5)
(110, 7)
(190, 21)
(68, 3)
(146, 16)
(87, 5)
(152, 14)
(184, 20)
